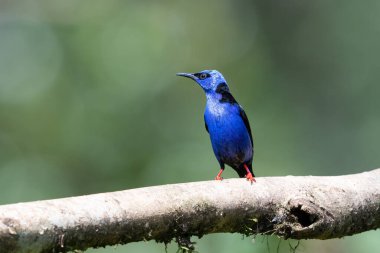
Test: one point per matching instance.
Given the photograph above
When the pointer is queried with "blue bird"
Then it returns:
(226, 123)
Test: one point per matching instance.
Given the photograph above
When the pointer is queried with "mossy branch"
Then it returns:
(291, 207)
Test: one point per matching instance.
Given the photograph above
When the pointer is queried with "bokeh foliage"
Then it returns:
(89, 100)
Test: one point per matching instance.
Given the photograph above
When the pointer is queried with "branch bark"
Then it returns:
(292, 207)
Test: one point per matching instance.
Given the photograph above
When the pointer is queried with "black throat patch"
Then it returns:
(227, 97)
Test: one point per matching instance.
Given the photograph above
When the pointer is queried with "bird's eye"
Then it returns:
(202, 76)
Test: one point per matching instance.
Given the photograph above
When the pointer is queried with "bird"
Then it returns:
(226, 123)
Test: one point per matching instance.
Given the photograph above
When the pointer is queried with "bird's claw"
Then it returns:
(218, 178)
(250, 178)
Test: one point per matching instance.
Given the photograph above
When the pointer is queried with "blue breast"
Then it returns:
(229, 136)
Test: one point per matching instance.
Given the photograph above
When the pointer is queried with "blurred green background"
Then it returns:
(89, 100)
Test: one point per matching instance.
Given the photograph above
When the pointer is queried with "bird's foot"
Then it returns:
(250, 178)
(249, 175)
(218, 178)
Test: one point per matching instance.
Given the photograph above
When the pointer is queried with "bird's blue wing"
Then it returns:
(246, 122)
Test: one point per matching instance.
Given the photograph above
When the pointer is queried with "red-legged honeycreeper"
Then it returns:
(226, 123)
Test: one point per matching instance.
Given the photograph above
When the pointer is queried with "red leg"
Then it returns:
(249, 174)
(218, 177)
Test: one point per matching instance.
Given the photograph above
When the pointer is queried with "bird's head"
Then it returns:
(209, 80)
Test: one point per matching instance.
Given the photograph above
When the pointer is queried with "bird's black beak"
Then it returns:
(188, 75)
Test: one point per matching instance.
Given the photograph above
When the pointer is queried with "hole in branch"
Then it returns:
(303, 217)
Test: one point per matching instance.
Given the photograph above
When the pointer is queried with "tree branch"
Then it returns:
(291, 207)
